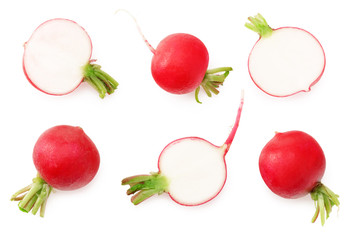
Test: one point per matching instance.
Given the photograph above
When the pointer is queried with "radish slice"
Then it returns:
(195, 168)
(284, 61)
(57, 59)
(191, 170)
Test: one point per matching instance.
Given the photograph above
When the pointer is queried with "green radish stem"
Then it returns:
(98, 79)
(212, 80)
(145, 186)
(324, 199)
(33, 197)
(258, 24)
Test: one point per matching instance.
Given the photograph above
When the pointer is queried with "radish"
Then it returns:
(57, 59)
(66, 159)
(191, 170)
(292, 165)
(284, 61)
(179, 65)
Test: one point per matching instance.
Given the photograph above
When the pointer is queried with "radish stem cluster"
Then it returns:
(33, 197)
(212, 80)
(258, 24)
(144, 186)
(98, 79)
(324, 200)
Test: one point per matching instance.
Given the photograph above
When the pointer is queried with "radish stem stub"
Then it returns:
(57, 57)
(286, 60)
(33, 197)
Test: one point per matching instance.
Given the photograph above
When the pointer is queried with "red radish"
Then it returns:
(284, 61)
(180, 62)
(191, 170)
(66, 159)
(57, 59)
(292, 165)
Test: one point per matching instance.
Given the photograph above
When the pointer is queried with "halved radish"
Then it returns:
(191, 170)
(284, 61)
(57, 59)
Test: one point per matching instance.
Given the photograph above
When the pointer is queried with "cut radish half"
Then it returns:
(284, 61)
(191, 170)
(195, 169)
(57, 59)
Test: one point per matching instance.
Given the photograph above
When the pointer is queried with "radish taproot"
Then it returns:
(179, 64)
(286, 60)
(65, 159)
(292, 165)
(191, 170)
(57, 60)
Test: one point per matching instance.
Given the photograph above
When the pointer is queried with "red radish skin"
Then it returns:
(66, 159)
(180, 62)
(181, 171)
(179, 66)
(295, 83)
(292, 165)
(301, 153)
(57, 59)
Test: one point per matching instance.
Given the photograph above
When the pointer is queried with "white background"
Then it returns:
(131, 127)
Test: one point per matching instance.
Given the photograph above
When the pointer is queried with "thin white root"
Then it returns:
(138, 28)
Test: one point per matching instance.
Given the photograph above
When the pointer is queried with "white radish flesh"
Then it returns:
(57, 59)
(195, 169)
(55, 54)
(191, 170)
(285, 61)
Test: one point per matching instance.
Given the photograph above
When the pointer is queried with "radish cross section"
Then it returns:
(284, 61)
(57, 59)
(191, 170)
(195, 169)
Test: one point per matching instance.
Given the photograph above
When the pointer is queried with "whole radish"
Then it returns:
(57, 59)
(180, 63)
(292, 165)
(65, 159)
(191, 170)
(286, 60)
(179, 66)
